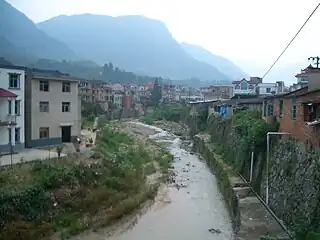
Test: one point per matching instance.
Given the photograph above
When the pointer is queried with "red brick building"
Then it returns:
(298, 113)
(127, 102)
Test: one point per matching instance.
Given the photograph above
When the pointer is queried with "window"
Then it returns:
(43, 132)
(270, 109)
(17, 107)
(44, 86)
(237, 86)
(14, 80)
(66, 87)
(268, 90)
(44, 106)
(9, 132)
(9, 107)
(280, 108)
(66, 107)
(311, 112)
(251, 87)
(294, 109)
(243, 85)
(17, 135)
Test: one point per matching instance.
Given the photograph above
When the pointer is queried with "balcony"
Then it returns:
(8, 120)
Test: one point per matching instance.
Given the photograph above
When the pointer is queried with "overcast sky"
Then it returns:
(252, 33)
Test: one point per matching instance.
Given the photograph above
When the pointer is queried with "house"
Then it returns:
(12, 102)
(303, 77)
(255, 86)
(217, 92)
(228, 107)
(246, 87)
(298, 113)
(52, 108)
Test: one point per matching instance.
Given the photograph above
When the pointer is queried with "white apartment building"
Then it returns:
(12, 100)
(255, 86)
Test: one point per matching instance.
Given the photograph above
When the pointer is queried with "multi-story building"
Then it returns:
(246, 87)
(95, 91)
(118, 98)
(12, 102)
(303, 77)
(255, 86)
(52, 108)
(217, 92)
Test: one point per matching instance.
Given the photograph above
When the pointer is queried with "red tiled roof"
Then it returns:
(6, 93)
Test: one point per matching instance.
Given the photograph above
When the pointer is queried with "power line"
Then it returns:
(285, 49)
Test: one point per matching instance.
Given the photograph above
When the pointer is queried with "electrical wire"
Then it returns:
(288, 45)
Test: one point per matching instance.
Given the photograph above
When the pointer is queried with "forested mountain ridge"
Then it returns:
(135, 43)
(19, 37)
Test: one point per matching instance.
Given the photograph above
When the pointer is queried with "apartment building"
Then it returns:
(12, 127)
(52, 108)
(95, 91)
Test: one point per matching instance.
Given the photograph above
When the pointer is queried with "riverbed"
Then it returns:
(189, 208)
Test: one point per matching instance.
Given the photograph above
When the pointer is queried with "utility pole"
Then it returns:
(315, 60)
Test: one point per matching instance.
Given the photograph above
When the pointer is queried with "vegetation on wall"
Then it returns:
(237, 136)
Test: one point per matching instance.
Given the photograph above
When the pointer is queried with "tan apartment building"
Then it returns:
(52, 108)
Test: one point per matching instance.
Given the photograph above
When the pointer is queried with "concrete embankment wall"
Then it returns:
(251, 220)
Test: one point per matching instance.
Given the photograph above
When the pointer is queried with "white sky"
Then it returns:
(252, 33)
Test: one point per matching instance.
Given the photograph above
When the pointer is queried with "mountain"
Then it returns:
(222, 64)
(20, 38)
(134, 43)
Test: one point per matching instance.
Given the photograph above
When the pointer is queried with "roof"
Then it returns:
(6, 93)
(289, 94)
(244, 96)
(305, 93)
(13, 67)
(251, 101)
(203, 101)
(253, 80)
(305, 72)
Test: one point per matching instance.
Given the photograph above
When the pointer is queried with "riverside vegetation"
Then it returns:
(65, 196)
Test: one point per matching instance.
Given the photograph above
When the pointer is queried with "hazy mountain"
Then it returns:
(19, 37)
(224, 65)
(133, 43)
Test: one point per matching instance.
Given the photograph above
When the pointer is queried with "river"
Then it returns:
(187, 213)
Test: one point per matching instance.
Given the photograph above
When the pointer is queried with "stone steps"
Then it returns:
(242, 192)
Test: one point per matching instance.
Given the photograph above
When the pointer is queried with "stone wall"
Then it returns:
(294, 182)
(294, 173)
(225, 134)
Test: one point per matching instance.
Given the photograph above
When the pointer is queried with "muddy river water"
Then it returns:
(186, 213)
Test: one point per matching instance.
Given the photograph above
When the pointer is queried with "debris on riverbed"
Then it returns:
(213, 230)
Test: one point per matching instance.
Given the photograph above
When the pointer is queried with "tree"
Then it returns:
(156, 93)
